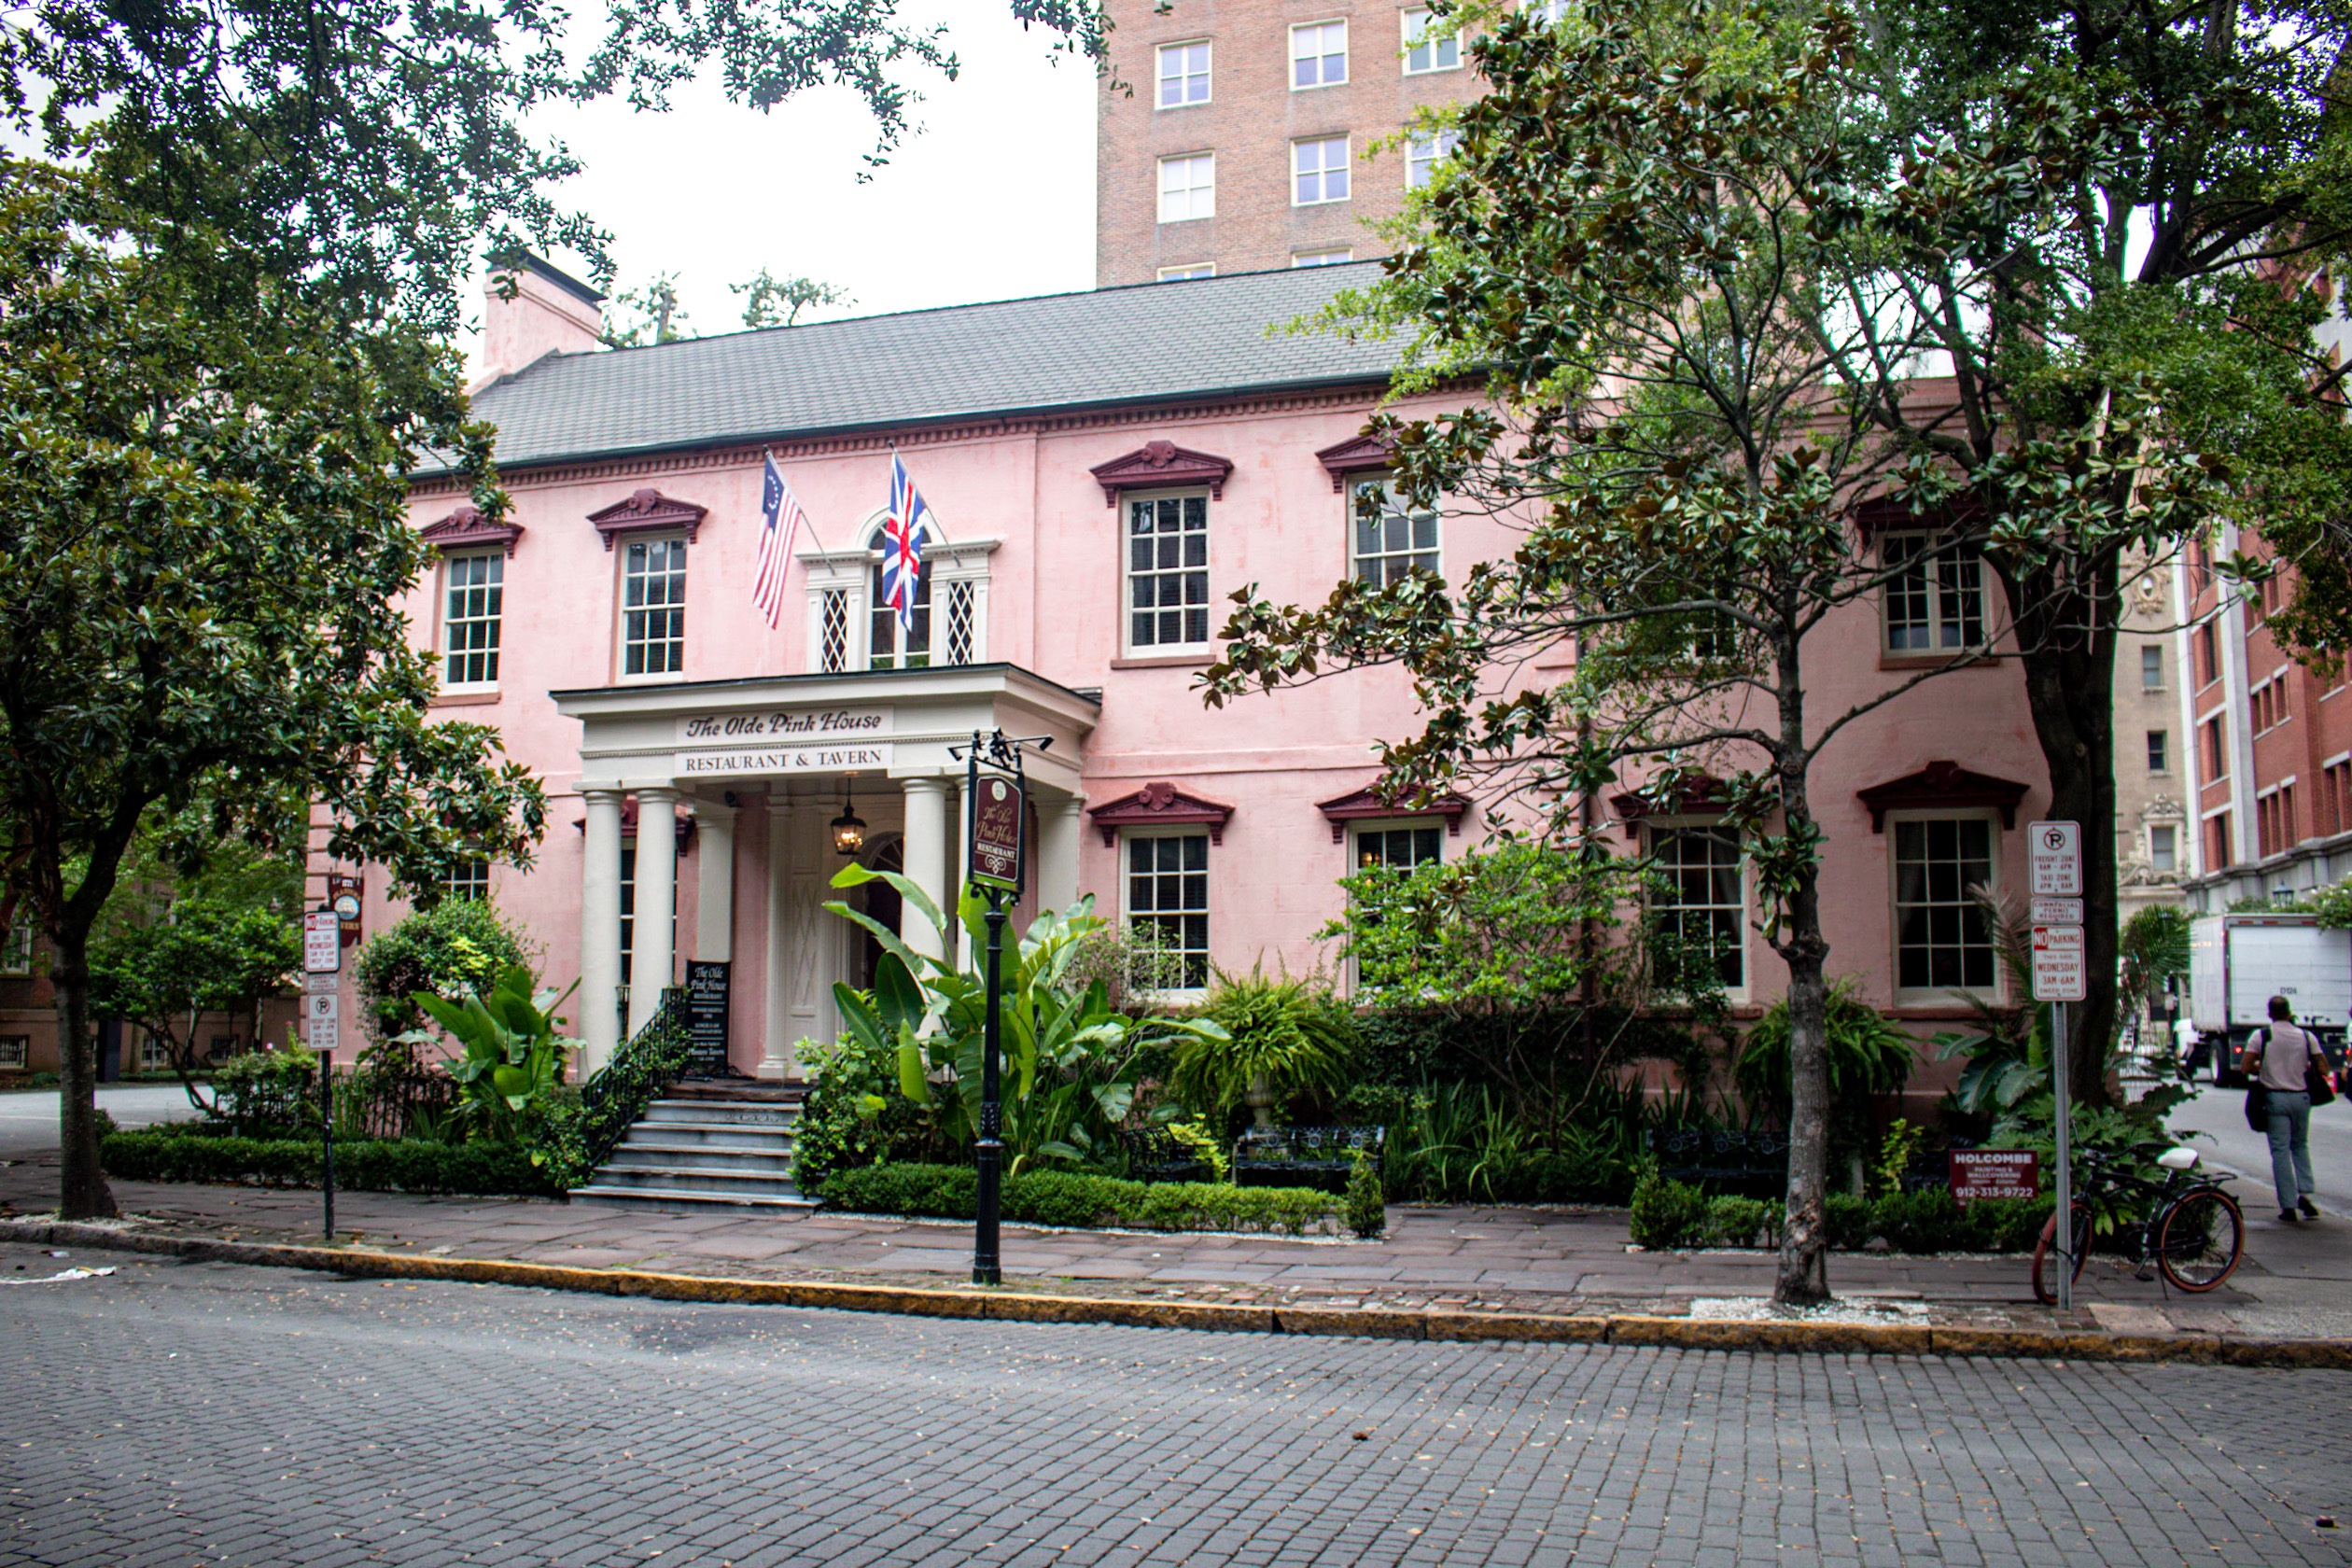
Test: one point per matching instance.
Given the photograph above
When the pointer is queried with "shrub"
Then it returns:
(1060, 1198)
(2006, 1224)
(1849, 1221)
(1206, 1147)
(455, 946)
(1739, 1222)
(1366, 1205)
(268, 1094)
(1868, 1054)
(182, 1152)
(1919, 1222)
(1667, 1214)
(1290, 1032)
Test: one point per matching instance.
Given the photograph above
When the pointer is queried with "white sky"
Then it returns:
(989, 197)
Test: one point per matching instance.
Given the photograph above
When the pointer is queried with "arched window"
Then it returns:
(888, 645)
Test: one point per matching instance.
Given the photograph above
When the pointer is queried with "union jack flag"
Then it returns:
(903, 534)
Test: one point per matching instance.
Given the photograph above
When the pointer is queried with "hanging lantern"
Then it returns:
(848, 829)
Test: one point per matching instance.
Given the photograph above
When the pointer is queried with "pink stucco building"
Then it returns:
(1103, 470)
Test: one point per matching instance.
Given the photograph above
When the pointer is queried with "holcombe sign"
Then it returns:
(784, 740)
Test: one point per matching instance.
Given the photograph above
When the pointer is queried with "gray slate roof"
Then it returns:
(1150, 342)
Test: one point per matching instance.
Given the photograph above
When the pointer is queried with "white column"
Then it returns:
(1061, 824)
(654, 960)
(599, 1020)
(714, 881)
(926, 856)
(775, 1044)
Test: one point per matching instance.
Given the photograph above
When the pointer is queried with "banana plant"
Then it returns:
(512, 1056)
(1068, 1058)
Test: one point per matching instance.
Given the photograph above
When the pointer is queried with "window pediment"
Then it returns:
(1357, 455)
(1700, 794)
(1159, 805)
(468, 528)
(1365, 804)
(1941, 784)
(1161, 465)
(647, 512)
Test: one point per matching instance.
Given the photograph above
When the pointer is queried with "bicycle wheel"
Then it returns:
(2200, 1239)
(2046, 1254)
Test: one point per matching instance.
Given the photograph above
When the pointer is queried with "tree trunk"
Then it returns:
(82, 1191)
(1804, 1259)
(2069, 666)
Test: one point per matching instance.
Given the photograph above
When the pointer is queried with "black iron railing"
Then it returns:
(648, 1062)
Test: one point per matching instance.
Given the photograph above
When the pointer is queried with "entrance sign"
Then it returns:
(2057, 912)
(708, 984)
(1983, 1173)
(996, 821)
(2054, 850)
(785, 740)
(2060, 974)
(322, 942)
(323, 1012)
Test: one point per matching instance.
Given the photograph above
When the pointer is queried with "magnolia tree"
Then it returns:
(1657, 242)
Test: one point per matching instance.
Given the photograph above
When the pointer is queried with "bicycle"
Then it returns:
(2195, 1234)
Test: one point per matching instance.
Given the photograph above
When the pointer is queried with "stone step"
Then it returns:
(722, 1112)
(686, 1178)
(704, 1136)
(618, 1195)
(634, 1156)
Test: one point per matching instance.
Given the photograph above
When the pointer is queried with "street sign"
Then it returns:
(997, 820)
(343, 897)
(2060, 974)
(313, 984)
(2054, 850)
(2057, 912)
(323, 1012)
(322, 942)
(1978, 1173)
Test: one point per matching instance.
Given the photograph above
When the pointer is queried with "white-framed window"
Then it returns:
(653, 607)
(628, 914)
(1183, 74)
(1934, 599)
(1168, 572)
(833, 631)
(1328, 258)
(1188, 271)
(1167, 900)
(2163, 847)
(1423, 151)
(16, 952)
(891, 645)
(1187, 187)
(1319, 171)
(1398, 846)
(1424, 53)
(1551, 12)
(1319, 54)
(1386, 540)
(473, 603)
(16, 1053)
(1941, 941)
(1701, 909)
(2160, 751)
(470, 879)
(2151, 666)
(155, 1054)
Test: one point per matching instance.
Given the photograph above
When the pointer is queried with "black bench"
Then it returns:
(1720, 1158)
(1305, 1155)
(1157, 1155)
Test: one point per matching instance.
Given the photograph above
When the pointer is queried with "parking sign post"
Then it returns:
(2053, 856)
(322, 961)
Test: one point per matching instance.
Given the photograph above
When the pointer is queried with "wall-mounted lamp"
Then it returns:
(848, 829)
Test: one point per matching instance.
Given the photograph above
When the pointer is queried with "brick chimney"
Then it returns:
(549, 312)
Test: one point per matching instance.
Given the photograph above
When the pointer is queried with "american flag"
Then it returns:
(903, 533)
(782, 510)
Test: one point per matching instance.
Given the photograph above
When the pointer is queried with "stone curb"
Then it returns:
(1429, 1325)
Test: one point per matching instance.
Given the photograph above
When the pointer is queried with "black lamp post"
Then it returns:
(996, 859)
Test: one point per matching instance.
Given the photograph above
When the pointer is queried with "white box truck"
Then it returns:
(2239, 963)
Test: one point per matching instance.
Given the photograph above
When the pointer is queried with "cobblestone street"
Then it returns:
(174, 1413)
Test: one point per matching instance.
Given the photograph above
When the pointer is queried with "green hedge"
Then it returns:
(1669, 1215)
(1057, 1198)
(164, 1154)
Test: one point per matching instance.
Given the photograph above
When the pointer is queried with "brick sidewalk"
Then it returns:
(2295, 1282)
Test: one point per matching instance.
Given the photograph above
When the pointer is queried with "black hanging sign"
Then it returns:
(706, 987)
(997, 820)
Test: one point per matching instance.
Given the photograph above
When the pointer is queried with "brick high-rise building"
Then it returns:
(1239, 139)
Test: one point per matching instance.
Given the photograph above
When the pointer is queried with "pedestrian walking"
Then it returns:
(2281, 1057)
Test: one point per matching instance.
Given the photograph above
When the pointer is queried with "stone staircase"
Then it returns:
(706, 1143)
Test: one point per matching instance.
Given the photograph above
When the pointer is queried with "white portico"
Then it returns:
(748, 776)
